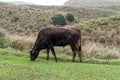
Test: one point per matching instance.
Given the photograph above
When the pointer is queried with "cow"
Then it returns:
(50, 37)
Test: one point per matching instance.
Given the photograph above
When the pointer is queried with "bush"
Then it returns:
(15, 19)
(70, 17)
(58, 20)
(102, 21)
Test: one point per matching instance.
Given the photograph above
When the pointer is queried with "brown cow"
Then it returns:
(57, 36)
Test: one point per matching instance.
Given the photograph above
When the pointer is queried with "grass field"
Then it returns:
(20, 25)
(15, 65)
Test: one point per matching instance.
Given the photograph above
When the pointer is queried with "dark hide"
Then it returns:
(57, 36)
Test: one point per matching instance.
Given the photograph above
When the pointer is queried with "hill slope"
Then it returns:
(103, 30)
(92, 3)
(113, 8)
(19, 19)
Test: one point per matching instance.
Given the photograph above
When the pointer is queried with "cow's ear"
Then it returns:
(28, 51)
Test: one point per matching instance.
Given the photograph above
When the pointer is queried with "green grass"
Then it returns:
(15, 65)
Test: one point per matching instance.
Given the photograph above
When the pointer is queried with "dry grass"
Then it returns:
(101, 38)
(4, 40)
(96, 50)
(15, 41)
(21, 42)
(104, 30)
(89, 49)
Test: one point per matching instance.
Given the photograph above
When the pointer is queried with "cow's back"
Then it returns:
(59, 36)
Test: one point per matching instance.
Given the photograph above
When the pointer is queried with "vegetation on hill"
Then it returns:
(103, 31)
(58, 19)
(70, 17)
(15, 41)
(4, 40)
(24, 20)
(113, 8)
(92, 3)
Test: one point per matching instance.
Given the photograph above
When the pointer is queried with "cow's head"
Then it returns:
(33, 54)
(35, 51)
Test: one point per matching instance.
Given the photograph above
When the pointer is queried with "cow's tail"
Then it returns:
(79, 43)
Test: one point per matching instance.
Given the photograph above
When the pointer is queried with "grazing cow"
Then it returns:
(57, 36)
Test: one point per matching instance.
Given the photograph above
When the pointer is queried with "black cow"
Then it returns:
(57, 36)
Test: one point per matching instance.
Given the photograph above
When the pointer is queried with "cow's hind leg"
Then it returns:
(79, 52)
(74, 55)
(80, 56)
(54, 54)
(73, 48)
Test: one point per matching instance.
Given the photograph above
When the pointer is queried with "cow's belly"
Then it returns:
(61, 40)
(60, 43)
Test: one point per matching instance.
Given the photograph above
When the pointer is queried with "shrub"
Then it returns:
(102, 21)
(58, 20)
(15, 19)
(70, 17)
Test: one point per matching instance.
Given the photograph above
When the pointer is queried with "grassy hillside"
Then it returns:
(113, 8)
(104, 30)
(92, 3)
(16, 65)
(24, 20)
(82, 14)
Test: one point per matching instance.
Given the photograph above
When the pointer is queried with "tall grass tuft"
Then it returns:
(21, 43)
(97, 50)
(15, 41)
(4, 40)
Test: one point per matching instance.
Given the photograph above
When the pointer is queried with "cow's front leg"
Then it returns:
(47, 51)
(54, 54)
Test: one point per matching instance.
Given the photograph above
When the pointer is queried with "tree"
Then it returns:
(70, 17)
(58, 20)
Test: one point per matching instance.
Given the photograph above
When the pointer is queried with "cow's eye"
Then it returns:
(31, 52)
